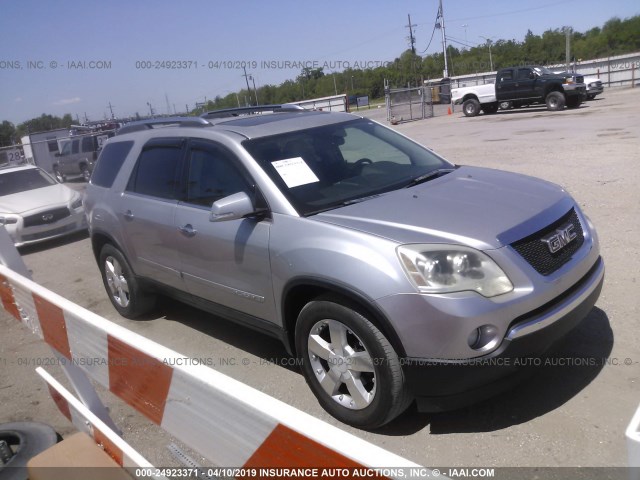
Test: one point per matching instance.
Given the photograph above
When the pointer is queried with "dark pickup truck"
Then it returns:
(522, 86)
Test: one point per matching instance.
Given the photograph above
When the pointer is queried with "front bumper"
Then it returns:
(572, 89)
(449, 384)
(23, 236)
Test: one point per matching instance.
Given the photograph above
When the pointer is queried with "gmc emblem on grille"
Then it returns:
(561, 238)
(47, 217)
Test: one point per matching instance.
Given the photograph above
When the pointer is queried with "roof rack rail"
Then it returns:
(236, 112)
(160, 122)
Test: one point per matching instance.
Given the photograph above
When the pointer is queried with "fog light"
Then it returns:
(484, 338)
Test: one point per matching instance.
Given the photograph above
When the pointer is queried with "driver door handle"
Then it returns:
(188, 230)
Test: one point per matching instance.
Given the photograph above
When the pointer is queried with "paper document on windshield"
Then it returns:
(295, 172)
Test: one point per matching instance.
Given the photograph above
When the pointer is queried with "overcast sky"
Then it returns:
(78, 56)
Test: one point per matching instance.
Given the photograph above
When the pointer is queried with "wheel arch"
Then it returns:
(553, 88)
(99, 239)
(300, 291)
(470, 96)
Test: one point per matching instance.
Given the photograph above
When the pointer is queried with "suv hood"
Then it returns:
(478, 207)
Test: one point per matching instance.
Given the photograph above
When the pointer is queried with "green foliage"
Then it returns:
(43, 123)
(7, 134)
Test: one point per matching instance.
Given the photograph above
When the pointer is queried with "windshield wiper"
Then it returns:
(358, 200)
(429, 176)
(342, 204)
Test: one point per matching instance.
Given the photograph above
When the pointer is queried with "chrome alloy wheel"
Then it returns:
(117, 282)
(342, 365)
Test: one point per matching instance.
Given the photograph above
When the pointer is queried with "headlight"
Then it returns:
(568, 81)
(77, 203)
(451, 268)
(8, 219)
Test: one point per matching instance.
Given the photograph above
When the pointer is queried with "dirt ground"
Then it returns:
(562, 416)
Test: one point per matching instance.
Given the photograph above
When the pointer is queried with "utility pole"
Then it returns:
(166, 98)
(489, 44)
(255, 90)
(246, 78)
(412, 39)
(440, 25)
(567, 33)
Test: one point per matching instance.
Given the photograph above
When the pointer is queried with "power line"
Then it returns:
(435, 23)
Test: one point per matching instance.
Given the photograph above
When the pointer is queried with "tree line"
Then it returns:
(616, 37)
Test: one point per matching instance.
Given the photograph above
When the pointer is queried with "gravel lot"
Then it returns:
(563, 416)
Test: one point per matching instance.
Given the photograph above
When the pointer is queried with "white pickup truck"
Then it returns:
(519, 87)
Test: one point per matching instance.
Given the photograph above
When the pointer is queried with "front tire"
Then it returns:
(350, 366)
(471, 107)
(574, 102)
(124, 289)
(555, 101)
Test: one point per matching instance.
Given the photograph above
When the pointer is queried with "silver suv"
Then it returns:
(393, 274)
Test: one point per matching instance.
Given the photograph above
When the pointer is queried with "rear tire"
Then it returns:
(86, 174)
(489, 108)
(555, 101)
(350, 366)
(471, 107)
(123, 287)
(59, 176)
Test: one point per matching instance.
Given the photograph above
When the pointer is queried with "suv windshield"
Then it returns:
(543, 70)
(23, 180)
(330, 166)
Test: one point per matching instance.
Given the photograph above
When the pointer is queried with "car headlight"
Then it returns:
(435, 268)
(8, 219)
(77, 203)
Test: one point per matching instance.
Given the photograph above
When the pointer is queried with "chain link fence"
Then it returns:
(418, 103)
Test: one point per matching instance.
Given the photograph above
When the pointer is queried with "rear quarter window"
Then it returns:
(109, 163)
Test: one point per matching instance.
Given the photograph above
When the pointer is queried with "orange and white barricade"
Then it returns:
(194, 403)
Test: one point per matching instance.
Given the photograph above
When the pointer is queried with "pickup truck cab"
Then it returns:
(522, 86)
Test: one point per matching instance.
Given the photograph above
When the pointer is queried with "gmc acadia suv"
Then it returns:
(394, 274)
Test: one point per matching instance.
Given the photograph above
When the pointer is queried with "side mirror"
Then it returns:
(232, 207)
(532, 75)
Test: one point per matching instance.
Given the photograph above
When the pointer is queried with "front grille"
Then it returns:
(537, 253)
(48, 233)
(47, 217)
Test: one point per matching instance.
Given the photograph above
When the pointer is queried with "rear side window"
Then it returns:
(109, 163)
(75, 147)
(87, 144)
(156, 173)
(506, 75)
